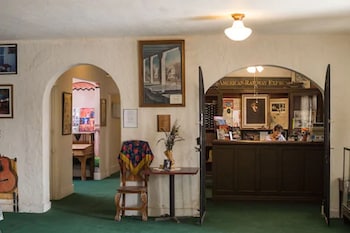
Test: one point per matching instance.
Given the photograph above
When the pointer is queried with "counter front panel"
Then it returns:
(267, 170)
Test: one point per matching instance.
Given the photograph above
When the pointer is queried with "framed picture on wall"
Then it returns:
(103, 112)
(130, 118)
(279, 112)
(161, 73)
(254, 111)
(87, 120)
(6, 101)
(8, 58)
(66, 113)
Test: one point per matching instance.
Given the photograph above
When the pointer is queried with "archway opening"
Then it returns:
(107, 127)
(282, 96)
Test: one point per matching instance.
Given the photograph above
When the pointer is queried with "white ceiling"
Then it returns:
(48, 19)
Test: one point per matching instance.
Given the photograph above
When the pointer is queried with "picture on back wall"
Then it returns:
(254, 112)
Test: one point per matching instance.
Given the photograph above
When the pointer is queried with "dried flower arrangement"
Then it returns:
(171, 137)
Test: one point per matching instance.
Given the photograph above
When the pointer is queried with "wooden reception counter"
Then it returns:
(254, 170)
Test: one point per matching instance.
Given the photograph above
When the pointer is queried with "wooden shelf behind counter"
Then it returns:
(258, 170)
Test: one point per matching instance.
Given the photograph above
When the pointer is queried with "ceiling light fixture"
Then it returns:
(238, 31)
(254, 69)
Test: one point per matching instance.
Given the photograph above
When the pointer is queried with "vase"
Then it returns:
(169, 155)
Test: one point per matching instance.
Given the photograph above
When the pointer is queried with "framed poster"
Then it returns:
(66, 113)
(87, 120)
(279, 111)
(161, 73)
(254, 111)
(6, 101)
(8, 58)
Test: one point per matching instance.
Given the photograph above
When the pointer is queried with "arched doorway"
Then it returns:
(61, 171)
(289, 98)
(276, 82)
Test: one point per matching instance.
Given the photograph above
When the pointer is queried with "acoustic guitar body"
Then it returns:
(8, 177)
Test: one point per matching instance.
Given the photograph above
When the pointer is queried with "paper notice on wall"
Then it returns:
(176, 99)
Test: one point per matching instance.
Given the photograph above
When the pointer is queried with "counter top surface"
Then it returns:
(242, 142)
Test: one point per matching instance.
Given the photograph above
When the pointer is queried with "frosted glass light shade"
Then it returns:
(254, 69)
(238, 31)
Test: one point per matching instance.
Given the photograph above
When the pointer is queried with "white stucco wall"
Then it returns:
(40, 63)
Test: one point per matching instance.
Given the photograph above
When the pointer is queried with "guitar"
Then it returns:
(8, 177)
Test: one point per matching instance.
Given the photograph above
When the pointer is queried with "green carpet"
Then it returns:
(91, 209)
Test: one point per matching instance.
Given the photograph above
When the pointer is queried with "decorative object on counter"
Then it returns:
(169, 142)
(305, 133)
(223, 132)
(222, 129)
(235, 134)
(302, 135)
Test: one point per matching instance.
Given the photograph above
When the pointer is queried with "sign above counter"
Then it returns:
(259, 82)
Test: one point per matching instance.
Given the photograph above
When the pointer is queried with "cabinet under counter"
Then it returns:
(251, 170)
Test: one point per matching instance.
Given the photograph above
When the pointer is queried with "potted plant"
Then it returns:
(169, 141)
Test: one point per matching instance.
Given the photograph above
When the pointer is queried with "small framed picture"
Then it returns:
(167, 164)
(130, 118)
(8, 58)
(6, 101)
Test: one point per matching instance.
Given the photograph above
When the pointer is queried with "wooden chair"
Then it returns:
(134, 159)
